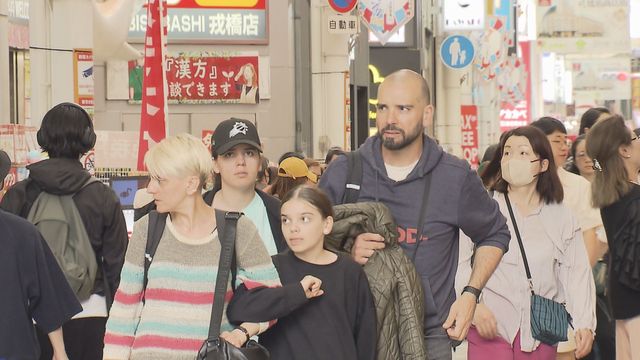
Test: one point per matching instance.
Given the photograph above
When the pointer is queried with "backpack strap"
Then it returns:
(354, 177)
(227, 254)
(157, 223)
(221, 221)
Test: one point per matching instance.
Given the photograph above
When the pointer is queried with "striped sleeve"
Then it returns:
(127, 306)
(255, 268)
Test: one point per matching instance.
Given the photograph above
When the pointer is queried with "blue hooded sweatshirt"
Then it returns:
(457, 201)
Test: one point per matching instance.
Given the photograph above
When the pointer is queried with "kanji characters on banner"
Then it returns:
(206, 78)
(154, 83)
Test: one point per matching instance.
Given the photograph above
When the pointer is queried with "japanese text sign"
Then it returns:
(213, 21)
(343, 24)
(469, 129)
(206, 79)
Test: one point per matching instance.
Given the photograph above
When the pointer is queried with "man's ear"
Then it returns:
(427, 116)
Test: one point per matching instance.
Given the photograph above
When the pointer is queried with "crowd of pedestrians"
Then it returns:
(317, 249)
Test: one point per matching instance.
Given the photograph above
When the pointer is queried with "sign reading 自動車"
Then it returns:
(213, 21)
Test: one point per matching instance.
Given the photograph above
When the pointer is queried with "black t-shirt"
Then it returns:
(340, 324)
(625, 302)
(32, 287)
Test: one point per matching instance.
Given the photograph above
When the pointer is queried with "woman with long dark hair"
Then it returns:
(615, 151)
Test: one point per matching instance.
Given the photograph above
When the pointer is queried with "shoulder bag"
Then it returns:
(549, 319)
(215, 347)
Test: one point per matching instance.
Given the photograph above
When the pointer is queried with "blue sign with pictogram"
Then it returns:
(457, 51)
(343, 6)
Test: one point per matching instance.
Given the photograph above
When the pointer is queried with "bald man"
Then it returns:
(400, 163)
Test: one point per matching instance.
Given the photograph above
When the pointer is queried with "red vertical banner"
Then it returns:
(469, 129)
(154, 82)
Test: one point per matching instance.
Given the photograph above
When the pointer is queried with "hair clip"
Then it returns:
(596, 165)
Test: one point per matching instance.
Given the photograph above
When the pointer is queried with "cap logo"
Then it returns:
(238, 128)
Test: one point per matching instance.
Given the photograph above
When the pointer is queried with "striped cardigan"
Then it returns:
(174, 321)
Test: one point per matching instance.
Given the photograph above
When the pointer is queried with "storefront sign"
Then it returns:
(213, 21)
(583, 27)
(385, 17)
(463, 15)
(206, 79)
(83, 79)
(342, 24)
(469, 127)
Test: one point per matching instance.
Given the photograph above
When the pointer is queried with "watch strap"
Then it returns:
(475, 291)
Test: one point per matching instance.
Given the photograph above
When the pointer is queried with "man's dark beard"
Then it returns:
(390, 144)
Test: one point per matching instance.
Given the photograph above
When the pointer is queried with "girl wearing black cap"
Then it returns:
(236, 149)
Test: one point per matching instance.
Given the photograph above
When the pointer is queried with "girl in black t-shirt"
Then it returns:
(335, 322)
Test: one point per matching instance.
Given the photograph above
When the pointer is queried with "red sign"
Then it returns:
(206, 138)
(519, 114)
(207, 79)
(343, 6)
(154, 109)
(469, 115)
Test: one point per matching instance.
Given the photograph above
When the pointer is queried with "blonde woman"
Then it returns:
(173, 321)
(615, 151)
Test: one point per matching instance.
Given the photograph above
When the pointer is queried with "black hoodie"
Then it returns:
(98, 205)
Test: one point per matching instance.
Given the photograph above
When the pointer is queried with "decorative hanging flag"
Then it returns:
(154, 81)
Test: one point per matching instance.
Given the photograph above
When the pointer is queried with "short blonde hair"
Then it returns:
(179, 156)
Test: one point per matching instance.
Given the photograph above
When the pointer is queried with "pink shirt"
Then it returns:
(559, 267)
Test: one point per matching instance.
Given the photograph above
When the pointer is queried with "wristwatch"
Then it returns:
(475, 291)
(245, 331)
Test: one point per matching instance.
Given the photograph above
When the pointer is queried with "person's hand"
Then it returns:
(584, 341)
(460, 316)
(311, 286)
(485, 322)
(236, 337)
(365, 246)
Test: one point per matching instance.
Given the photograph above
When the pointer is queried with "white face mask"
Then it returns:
(517, 172)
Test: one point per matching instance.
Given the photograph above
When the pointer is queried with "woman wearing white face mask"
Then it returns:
(526, 177)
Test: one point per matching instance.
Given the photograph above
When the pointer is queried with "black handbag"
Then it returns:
(215, 347)
(549, 319)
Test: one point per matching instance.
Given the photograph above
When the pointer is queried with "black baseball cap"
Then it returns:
(232, 132)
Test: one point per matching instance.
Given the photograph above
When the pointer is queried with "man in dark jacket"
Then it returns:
(399, 163)
(67, 133)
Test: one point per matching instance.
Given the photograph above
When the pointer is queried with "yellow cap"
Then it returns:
(295, 168)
